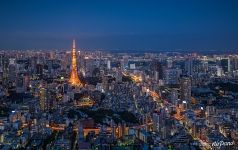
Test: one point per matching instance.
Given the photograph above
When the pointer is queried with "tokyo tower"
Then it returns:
(74, 79)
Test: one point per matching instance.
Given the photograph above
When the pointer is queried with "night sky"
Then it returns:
(119, 24)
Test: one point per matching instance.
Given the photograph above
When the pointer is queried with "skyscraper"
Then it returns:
(185, 86)
(225, 64)
(74, 79)
(157, 69)
(189, 66)
(42, 95)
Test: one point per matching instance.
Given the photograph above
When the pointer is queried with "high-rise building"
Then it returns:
(39, 70)
(108, 64)
(226, 65)
(189, 66)
(185, 86)
(105, 83)
(174, 97)
(74, 79)
(12, 70)
(19, 83)
(88, 66)
(43, 92)
(157, 69)
(26, 81)
(235, 63)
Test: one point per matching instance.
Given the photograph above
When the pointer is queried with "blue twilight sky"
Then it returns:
(119, 24)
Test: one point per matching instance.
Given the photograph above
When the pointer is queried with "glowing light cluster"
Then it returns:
(136, 78)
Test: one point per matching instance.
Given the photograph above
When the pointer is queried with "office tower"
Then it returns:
(174, 97)
(74, 79)
(235, 63)
(189, 66)
(157, 69)
(108, 64)
(89, 66)
(225, 64)
(39, 70)
(185, 87)
(105, 84)
(26, 81)
(42, 95)
(12, 70)
(19, 83)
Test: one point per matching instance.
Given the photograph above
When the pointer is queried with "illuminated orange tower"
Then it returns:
(74, 79)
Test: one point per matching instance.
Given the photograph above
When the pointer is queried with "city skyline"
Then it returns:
(102, 100)
(118, 75)
(124, 25)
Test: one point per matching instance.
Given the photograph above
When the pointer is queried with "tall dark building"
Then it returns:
(189, 66)
(225, 64)
(158, 69)
(185, 87)
(39, 70)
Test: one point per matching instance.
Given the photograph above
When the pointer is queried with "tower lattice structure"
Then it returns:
(74, 79)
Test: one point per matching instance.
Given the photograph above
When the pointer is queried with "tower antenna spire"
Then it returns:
(74, 45)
